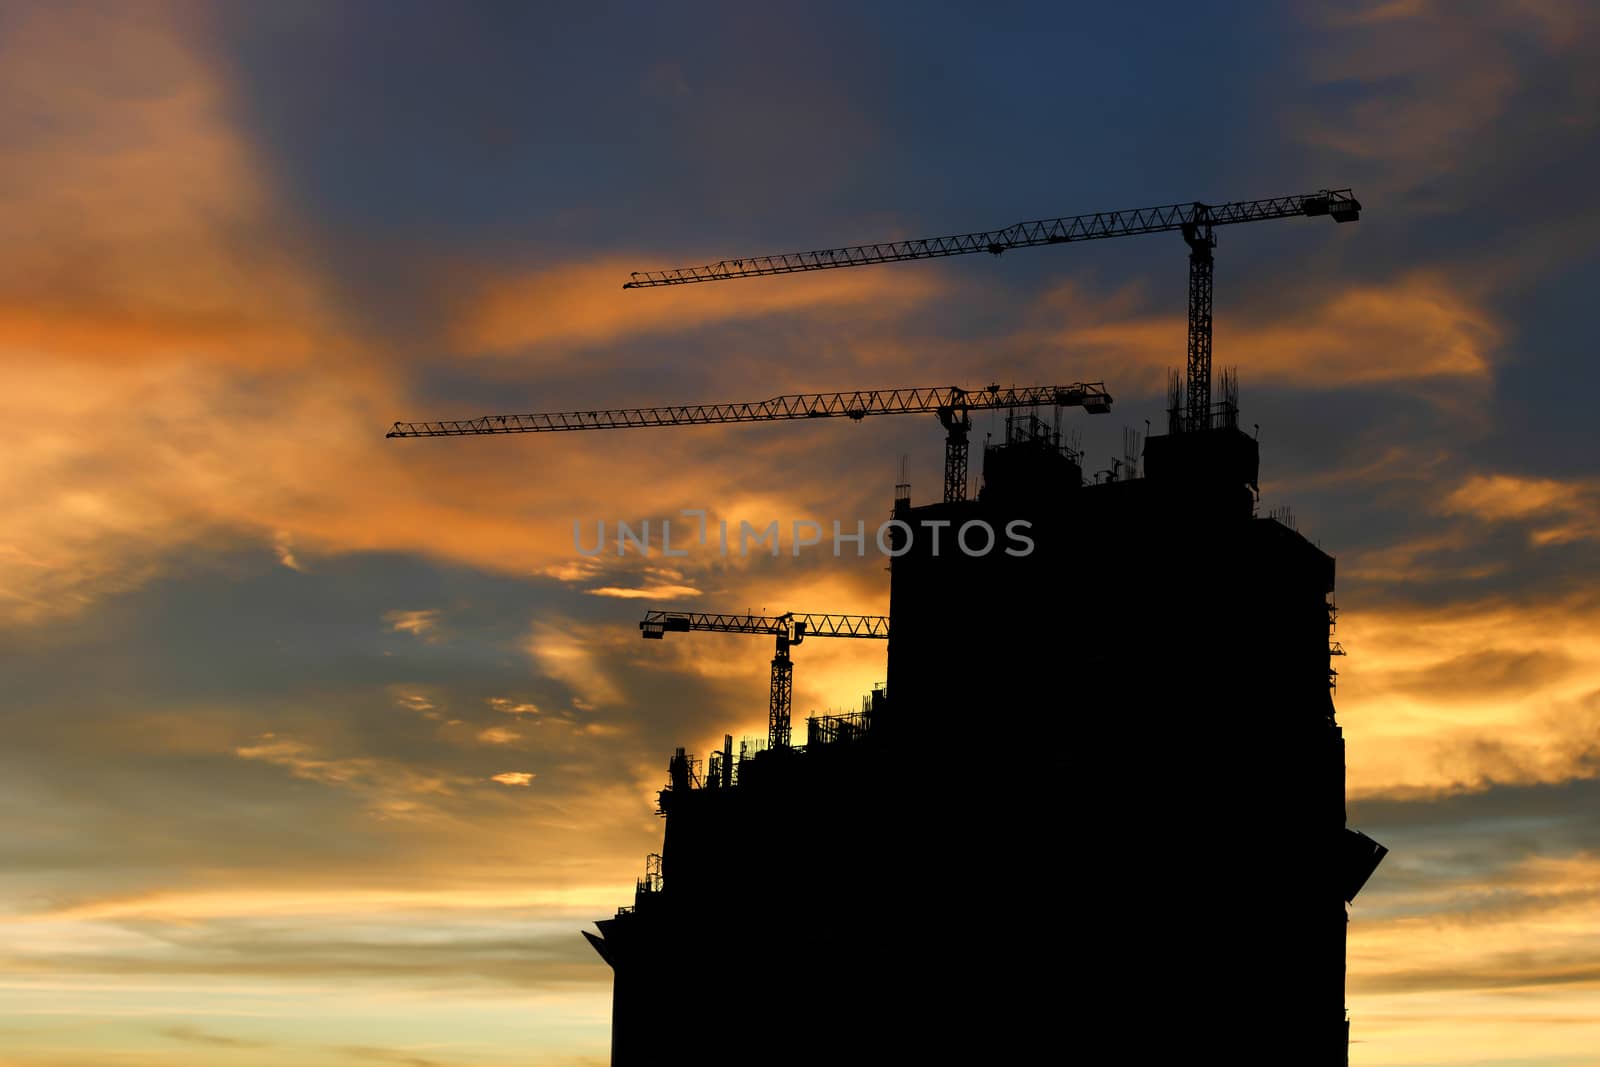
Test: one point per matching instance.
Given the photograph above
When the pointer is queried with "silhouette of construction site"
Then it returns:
(1099, 800)
(1113, 761)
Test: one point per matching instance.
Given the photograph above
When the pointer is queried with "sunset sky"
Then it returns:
(322, 748)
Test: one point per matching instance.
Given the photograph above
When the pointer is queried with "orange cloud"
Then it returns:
(1502, 966)
(571, 653)
(416, 623)
(1502, 496)
(648, 592)
(1415, 328)
(584, 304)
(1557, 511)
(512, 707)
(1460, 698)
(390, 789)
(210, 903)
(158, 317)
(513, 778)
(1436, 77)
(185, 454)
(135, 222)
(147, 275)
(1432, 558)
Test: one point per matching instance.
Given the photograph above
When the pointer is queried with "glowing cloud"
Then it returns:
(1557, 511)
(512, 707)
(1445, 701)
(570, 654)
(513, 778)
(649, 592)
(416, 623)
(576, 304)
(1414, 328)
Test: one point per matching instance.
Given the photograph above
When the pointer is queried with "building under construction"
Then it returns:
(1102, 792)
(1100, 800)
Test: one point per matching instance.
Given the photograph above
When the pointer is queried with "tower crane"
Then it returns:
(1197, 223)
(952, 404)
(788, 629)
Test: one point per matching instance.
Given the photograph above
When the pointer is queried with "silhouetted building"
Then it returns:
(1100, 802)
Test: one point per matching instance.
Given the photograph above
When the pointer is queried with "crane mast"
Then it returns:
(787, 630)
(1197, 399)
(1196, 221)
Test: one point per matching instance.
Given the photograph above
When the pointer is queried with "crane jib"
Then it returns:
(1340, 204)
(856, 405)
(656, 623)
